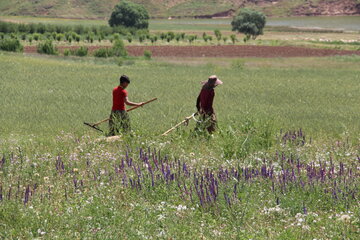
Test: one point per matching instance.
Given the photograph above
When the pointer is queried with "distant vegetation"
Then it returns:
(249, 22)
(128, 14)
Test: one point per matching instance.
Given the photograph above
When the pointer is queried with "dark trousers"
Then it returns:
(119, 122)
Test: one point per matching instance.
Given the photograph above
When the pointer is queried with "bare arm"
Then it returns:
(127, 102)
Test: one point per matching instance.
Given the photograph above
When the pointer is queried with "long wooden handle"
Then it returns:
(130, 109)
(177, 125)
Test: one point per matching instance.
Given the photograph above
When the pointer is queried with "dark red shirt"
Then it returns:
(205, 100)
(119, 95)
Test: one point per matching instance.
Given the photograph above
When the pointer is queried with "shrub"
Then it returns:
(59, 37)
(67, 52)
(191, 38)
(141, 38)
(225, 39)
(177, 37)
(2, 35)
(47, 48)
(218, 34)
(233, 38)
(77, 38)
(129, 38)
(36, 37)
(81, 51)
(162, 36)
(116, 36)
(153, 39)
(12, 45)
(103, 53)
(30, 39)
(147, 54)
(118, 48)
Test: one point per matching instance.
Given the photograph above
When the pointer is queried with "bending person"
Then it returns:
(119, 118)
(204, 105)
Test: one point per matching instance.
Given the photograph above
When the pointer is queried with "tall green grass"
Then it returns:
(58, 180)
(46, 95)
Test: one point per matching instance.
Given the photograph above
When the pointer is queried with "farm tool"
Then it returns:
(95, 125)
(185, 121)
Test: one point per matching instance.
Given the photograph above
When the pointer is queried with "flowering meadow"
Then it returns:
(283, 164)
(89, 189)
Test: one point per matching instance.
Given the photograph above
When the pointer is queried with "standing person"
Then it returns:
(119, 118)
(204, 105)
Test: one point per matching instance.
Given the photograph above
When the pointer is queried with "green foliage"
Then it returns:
(153, 39)
(81, 51)
(129, 38)
(129, 14)
(11, 45)
(218, 34)
(233, 38)
(147, 54)
(118, 49)
(103, 53)
(225, 39)
(116, 36)
(67, 52)
(191, 38)
(141, 38)
(59, 37)
(47, 47)
(249, 22)
(36, 37)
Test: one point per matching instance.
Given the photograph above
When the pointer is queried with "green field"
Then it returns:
(59, 94)
(283, 164)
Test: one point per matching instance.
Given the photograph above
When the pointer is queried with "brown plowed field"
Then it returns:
(222, 51)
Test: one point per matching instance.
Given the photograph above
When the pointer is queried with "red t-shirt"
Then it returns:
(206, 100)
(119, 95)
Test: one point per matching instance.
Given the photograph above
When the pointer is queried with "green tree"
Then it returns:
(217, 34)
(129, 14)
(249, 22)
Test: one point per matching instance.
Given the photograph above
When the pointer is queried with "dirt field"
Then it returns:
(222, 51)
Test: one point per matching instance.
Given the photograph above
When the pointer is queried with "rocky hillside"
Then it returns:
(179, 8)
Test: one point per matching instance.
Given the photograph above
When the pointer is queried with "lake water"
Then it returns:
(347, 23)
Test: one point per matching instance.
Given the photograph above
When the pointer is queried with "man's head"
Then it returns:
(124, 81)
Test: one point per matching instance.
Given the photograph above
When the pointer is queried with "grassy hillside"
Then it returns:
(165, 8)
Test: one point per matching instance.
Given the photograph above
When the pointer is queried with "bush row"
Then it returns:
(12, 45)
(7, 27)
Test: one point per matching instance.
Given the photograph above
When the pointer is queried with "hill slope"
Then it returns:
(165, 8)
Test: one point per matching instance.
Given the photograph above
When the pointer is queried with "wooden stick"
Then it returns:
(130, 109)
(177, 125)
(133, 108)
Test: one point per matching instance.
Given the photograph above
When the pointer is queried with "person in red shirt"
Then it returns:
(119, 118)
(204, 105)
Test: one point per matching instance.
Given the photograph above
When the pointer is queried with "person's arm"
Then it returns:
(198, 103)
(127, 102)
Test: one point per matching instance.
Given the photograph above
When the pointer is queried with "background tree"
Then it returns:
(249, 22)
(129, 14)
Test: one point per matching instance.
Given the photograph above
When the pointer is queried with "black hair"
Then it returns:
(124, 78)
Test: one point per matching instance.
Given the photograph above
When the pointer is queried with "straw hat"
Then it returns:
(213, 79)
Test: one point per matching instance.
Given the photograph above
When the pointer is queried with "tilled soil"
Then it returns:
(221, 51)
